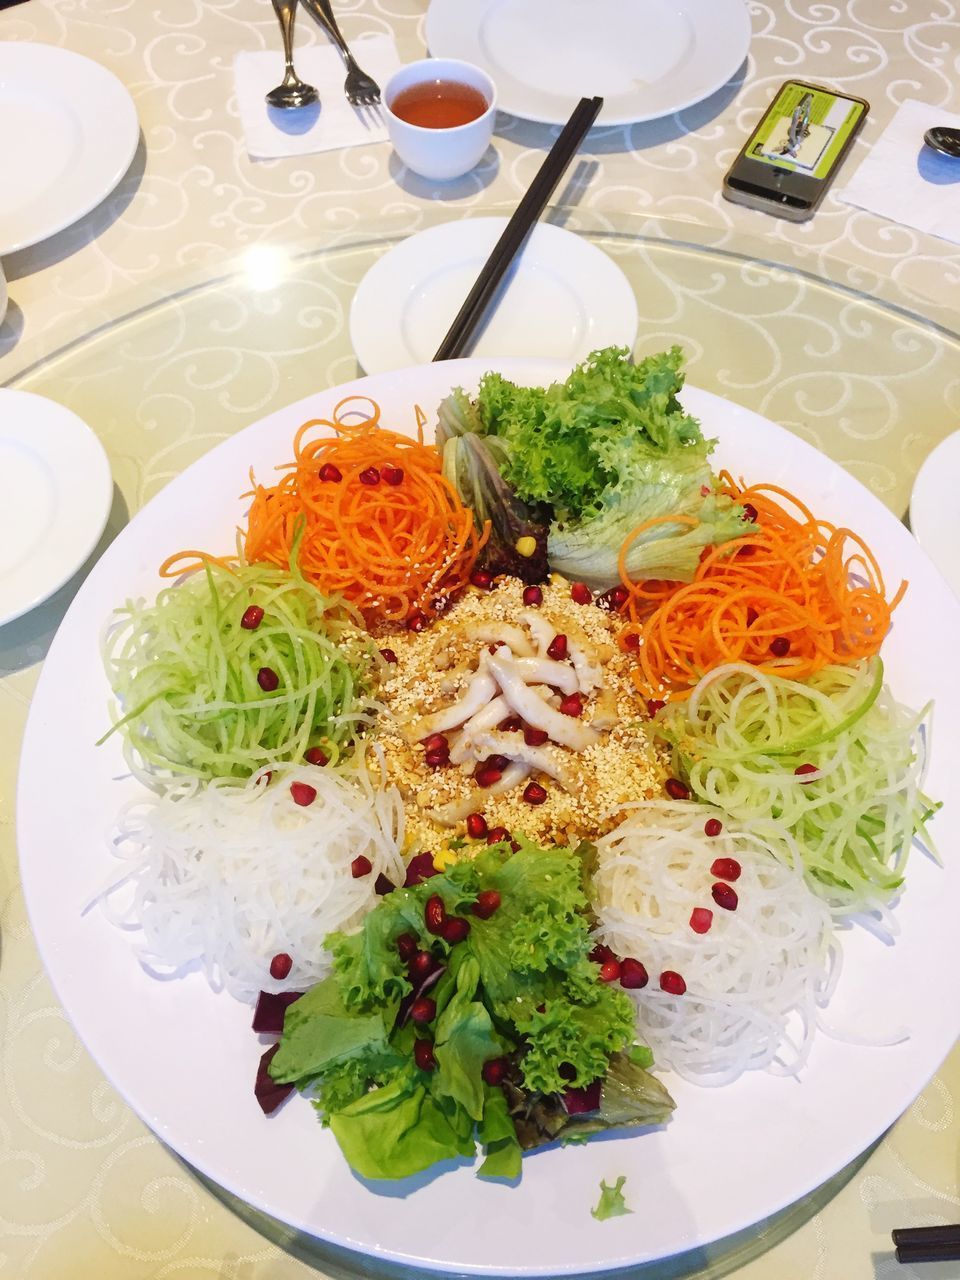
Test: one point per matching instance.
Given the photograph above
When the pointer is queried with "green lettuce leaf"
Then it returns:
(611, 1203)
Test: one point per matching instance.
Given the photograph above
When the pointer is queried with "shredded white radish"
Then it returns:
(225, 875)
(755, 979)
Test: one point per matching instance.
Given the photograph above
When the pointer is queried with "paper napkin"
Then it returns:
(326, 126)
(905, 181)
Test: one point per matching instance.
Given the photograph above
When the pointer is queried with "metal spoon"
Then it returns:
(944, 139)
(292, 92)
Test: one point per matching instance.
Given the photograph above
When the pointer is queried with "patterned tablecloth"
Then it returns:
(149, 318)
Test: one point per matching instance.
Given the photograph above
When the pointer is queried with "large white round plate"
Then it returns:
(934, 510)
(185, 1059)
(55, 496)
(561, 299)
(645, 58)
(68, 131)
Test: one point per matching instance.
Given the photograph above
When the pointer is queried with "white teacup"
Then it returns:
(3, 294)
(443, 152)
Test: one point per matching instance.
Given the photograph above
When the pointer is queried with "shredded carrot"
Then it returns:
(795, 596)
(394, 542)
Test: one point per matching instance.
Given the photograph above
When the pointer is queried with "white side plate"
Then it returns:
(55, 497)
(561, 299)
(645, 58)
(935, 510)
(68, 131)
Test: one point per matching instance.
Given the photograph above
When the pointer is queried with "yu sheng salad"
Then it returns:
(501, 770)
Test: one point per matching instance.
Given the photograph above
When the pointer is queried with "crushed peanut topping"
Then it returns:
(438, 668)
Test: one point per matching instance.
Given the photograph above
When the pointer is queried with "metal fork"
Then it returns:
(361, 90)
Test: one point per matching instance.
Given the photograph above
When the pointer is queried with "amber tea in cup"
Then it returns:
(440, 114)
(439, 104)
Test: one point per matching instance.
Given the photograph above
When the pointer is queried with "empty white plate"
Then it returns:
(562, 298)
(55, 494)
(68, 131)
(934, 510)
(645, 58)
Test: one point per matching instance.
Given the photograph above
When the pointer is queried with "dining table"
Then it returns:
(208, 289)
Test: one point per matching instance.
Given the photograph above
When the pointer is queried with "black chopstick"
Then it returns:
(927, 1244)
(518, 228)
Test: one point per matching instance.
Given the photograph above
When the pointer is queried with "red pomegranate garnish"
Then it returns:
(407, 948)
(330, 474)
(571, 705)
(532, 596)
(360, 866)
(423, 1010)
(535, 737)
(494, 1070)
(388, 655)
(724, 895)
(476, 826)
(437, 759)
(390, 474)
(454, 929)
(712, 827)
(632, 974)
(749, 513)
(434, 914)
(486, 775)
(280, 966)
(303, 794)
(580, 593)
(701, 918)
(672, 983)
(676, 789)
(482, 579)
(802, 769)
(369, 475)
(487, 904)
(252, 617)
(497, 834)
(557, 648)
(423, 1055)
(267, 679)
(631, 640)
(654, 705)
(315, 755)
(416, 621)
(610, 971)
(422, 964)
(780, 646)
(533, 793)
(726, 869)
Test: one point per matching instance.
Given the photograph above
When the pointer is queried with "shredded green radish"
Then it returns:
(189, 675)
(835, 759)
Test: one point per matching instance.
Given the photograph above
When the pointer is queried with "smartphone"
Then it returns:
(791, 157)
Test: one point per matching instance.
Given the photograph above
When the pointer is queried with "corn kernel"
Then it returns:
(526, 546)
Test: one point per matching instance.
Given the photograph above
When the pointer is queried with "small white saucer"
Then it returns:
(935, 509)
(56, 491)
(562, 298)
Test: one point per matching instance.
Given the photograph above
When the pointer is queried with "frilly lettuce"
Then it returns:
(520, 988)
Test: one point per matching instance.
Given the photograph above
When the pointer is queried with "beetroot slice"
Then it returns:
(576, 1101)
(270, 1010)
(420, 868)
(266, 1090)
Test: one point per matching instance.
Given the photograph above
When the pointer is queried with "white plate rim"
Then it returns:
(935, 490)
(72, 948)
(104, 154)
(83, 496)
(605, 294)
(452, 30)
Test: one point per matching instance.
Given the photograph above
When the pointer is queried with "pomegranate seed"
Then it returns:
(486, 775)
(535, 737)
(314, 755)
(512, 724)
(601, 954)
(436, 742)
(252, 617)
(391, 474)
(455, 929)
(752, 616)
(632, 974)
(480, 578)
(615, 598)
(533, 793)
(330, 474)
(726, 869)
(514, 846)
(494, 1070)
(434, 914)
(532, 596)
(580, 593)
(704, 491)
(416, 621)
(676, 789)
(571, 705)
(476, 826)
(497, 762)
(672, 983)
(423, 1055)
(654, 705)
(303, 794)
(265, 778)
(780, 647)
(725, 896)
(610, 971)
(803, 769)
(360, 866)
(407, 947)
(280, 965)
(712, 827)
(267, 679)
(631, 640)
(700, 919)
(557, 648)
(420, 868)
(487, 904)
(422, 963)
(370, 475)
(437, 759)
(423, 1010)
(749, 513)
(496, 835)
(388, 655)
